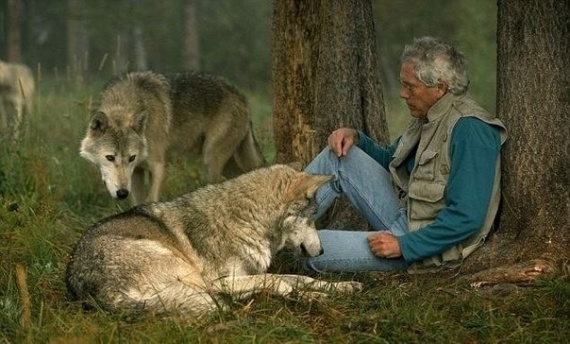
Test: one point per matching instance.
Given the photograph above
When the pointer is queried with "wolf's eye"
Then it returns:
(110, 158)
(132, 158)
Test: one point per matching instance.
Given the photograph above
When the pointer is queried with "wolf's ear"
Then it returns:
(99, 123)
(306, 185)
(139, 124)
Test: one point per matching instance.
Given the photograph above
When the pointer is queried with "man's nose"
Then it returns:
(404, 92)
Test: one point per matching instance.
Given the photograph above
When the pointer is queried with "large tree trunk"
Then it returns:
(533, 101)
(324, 77)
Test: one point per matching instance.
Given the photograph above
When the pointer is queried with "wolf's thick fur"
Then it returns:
(144, 120)
(16, 94)
(220, 239)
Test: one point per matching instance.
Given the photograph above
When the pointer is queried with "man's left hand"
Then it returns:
(384, 245)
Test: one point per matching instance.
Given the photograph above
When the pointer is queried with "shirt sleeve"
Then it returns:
(380, 154)
(475, 147)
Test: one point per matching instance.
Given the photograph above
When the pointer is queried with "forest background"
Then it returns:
(88, 41)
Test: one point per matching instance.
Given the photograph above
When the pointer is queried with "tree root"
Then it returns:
(519, 273)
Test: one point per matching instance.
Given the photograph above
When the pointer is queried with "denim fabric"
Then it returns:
(368, 187)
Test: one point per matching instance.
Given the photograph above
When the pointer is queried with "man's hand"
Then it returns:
(384, 245)
(341, 140)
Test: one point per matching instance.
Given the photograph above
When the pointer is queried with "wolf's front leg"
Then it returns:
(309, 283)
(137, 187)
(156, 176)
(243, 287)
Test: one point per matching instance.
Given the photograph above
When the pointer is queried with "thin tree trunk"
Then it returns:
(13, 43)
(77, 45)
(141, 61)
(191, 36)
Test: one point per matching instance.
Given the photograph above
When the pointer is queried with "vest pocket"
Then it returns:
(426, 200)
(426, 165)
(427, 192)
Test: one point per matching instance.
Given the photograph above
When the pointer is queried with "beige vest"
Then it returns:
(422, 191)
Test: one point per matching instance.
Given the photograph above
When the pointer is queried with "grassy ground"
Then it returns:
(49, 195)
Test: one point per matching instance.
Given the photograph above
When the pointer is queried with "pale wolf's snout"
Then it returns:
(306, 253)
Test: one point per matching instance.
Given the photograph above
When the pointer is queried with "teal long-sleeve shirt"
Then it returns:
(475, 147)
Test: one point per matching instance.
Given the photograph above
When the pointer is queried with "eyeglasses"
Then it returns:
(410, 87)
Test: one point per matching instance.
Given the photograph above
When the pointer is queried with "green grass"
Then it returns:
(49, 196)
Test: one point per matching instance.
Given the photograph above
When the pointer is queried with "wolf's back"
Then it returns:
(104, 266)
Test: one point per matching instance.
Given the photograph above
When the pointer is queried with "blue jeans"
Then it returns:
(368, 187)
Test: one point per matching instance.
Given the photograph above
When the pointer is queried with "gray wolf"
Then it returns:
(144, 120)
(183, 255)
(16, 96)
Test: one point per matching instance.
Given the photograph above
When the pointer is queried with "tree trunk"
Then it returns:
(77, 47)
(13, 42)
(324, 75)
(141, 61)
(191, 36)
(533, 102)
(123, 51)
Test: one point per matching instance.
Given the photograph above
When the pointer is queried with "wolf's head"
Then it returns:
(116, 147)
(298, 225)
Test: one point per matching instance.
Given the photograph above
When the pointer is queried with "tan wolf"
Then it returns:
(184, 254)
(144, 120)
(16, 96)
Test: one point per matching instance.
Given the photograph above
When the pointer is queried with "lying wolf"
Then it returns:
(144, 120)
(16, 94)
(220, 239)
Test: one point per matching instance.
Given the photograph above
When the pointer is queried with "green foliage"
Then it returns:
(49, 196)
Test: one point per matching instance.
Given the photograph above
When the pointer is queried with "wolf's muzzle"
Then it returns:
(306, 253)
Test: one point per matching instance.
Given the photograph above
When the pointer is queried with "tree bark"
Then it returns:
(533, 102)
(324, 75)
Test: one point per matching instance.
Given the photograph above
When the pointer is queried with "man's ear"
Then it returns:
(442, 89)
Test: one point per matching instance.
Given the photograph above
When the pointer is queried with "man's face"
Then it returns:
(419, 97)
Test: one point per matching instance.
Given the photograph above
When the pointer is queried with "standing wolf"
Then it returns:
(220, 239)
(16, 94)
(144, 120)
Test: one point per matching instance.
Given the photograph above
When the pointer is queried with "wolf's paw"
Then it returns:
(348, 287)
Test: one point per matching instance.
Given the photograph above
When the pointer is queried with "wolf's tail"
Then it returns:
(248, 155)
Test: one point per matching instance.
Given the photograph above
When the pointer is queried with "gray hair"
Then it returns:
(436, 61)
